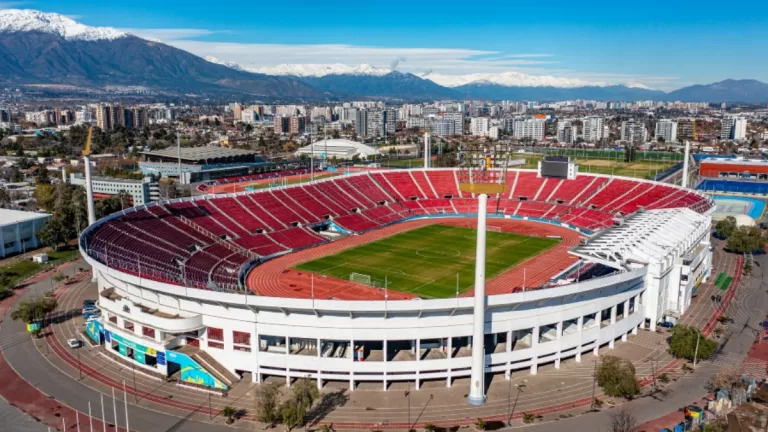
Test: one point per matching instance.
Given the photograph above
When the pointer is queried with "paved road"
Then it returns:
(23, 356)
(13, 419)
(748, 310)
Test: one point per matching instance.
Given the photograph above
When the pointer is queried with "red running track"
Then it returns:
(278, 278)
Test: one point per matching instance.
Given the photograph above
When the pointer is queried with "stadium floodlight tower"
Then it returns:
(480, 174)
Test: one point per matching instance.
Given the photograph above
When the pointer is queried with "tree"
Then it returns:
(267, 397)
(229, 412)
(5, 197)
(617, 378)
(746, 239)
(629, 153)
(45, 194)
(42, 175)
(683, 343)
(726, 379)
(34, 309)
(725, 227)
(52, 233)
(623, 421)
(303, 395)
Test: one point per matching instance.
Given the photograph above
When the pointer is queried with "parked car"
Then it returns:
(666, 324)
(73, 343)
(90, 315)
(89, 302)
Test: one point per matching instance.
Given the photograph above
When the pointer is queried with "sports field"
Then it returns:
(425, 261)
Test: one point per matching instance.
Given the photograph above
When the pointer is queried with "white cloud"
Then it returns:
(445, 61)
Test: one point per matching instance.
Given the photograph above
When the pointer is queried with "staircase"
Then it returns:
(215, 368)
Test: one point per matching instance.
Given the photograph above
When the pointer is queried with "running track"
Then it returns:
(278, 278)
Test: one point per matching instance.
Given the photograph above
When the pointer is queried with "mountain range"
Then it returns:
(46, 49)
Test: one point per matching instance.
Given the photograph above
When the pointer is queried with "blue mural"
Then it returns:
(192, 372)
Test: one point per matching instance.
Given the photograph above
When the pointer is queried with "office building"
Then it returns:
(457, 117)
(141, 191)
(533, 129)
(297, 124)
(443, 128)
(733, 128)
(237, 112)
(633, 131)
(282, 124)
(5, 115)
(494, 132)
(479, 126)
(84, 116)
(250, 116)
(566, 132)
(667, 130)
(361, 122)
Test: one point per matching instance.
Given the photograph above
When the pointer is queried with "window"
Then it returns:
(217, 345)
(128, 325)
(216, 334)
(242, 341)
(113, 319)
(148, 332)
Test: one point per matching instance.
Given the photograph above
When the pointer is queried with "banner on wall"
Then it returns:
(133, 345)
(94, 330)
(192, 372)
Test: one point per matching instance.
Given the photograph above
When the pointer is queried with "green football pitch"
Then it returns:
(425, 261)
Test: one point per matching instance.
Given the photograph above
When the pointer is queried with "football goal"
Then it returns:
(360, 278)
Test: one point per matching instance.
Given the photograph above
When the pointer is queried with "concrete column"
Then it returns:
(386, 350)
(89, 192)
(580, 329)
(634, 330)
(418, 349)
(448, 380)
(612, 343)
(534, 347)
(351, 381)
(477, 379)
(427, 149)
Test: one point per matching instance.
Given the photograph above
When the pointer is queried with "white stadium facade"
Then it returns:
(651, 240)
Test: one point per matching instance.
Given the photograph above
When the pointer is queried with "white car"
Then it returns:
(73, 343)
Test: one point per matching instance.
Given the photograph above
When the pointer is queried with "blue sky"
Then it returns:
(664, 45)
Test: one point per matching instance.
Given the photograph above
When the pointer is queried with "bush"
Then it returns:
(480, 424)
(725, 227)
(664, 378)
(616, 376)
(267, 396)
(683, 343)
(34, 309)
(529, 417)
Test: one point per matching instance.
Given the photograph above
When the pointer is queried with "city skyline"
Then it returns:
(685, 45)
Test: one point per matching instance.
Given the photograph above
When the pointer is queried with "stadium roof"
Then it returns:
(10, 217)
(735, 161)
(208, 154)
(341, 148)
(646, 237)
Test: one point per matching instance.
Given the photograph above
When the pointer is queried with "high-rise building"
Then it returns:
(84, 116)
(140, 118)
(457, 117)
(297, 124)
(361, 122)
(237, 111)
(566, 132)
(494, 132)
(250, 116)
(633, 131)
(106, 117)
(531, 128)
(594, 129)
(666, 129)
(282, 124)
(479, 126)
(442, 128)
(734, 128)
(5, 115)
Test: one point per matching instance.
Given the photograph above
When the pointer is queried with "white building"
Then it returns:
(566, 132)
(531, 128)
(733, 128)
(634, 132)
(594, 129)
(479, 126)
(442, 128)
(250, 116)
(494, 132)
(457, 117)
(19, 230)
(666, 129)
(84, 116)
(142, 191)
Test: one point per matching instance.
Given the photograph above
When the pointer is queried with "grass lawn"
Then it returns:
(425, 261)
(22, 269)
(645, 169)
(403, 163)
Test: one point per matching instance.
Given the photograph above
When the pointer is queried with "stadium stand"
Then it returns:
(213, 238)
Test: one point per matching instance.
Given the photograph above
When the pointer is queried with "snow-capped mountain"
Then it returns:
(18, 20)
(231, 65)
(321, 70)
(508, 79)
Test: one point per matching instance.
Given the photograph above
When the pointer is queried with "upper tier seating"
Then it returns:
(199, 242)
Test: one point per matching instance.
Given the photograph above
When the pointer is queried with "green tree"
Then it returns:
(617, 378)
(52, 233)
(5, 197)
(45, 194)
(629, 153)
(303, 394)
(746, 239)
(42, 175)
(261, 143)
(33, 309)
(267, 397)
(683, 343)
(725, 227)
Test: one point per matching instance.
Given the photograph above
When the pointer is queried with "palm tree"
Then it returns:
(229, 412)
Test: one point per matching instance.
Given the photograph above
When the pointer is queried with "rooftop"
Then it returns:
(8, 217)
(644, 238)
(201, 154)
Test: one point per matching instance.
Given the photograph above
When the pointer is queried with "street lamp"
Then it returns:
(511, 412)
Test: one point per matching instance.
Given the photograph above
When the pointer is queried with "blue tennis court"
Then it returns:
(732, 206)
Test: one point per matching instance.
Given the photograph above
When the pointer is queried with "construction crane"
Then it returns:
(695, 135)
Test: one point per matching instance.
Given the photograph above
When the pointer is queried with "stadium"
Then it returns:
(368, 277)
